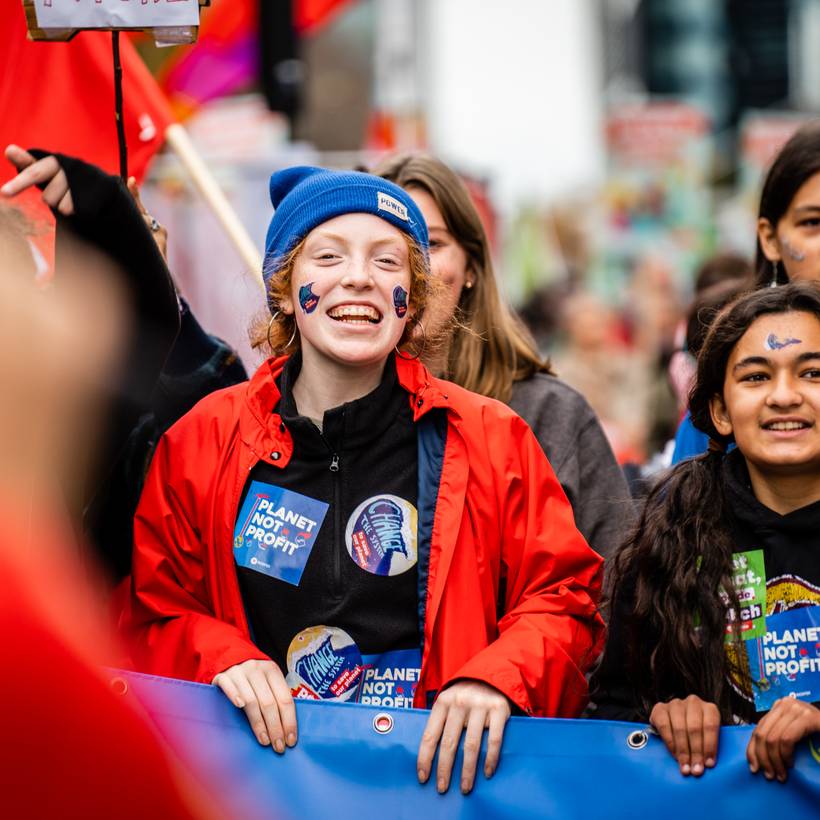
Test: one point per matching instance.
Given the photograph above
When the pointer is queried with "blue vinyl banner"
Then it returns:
(355, 761)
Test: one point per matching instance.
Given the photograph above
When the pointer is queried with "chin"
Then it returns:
(355, 355)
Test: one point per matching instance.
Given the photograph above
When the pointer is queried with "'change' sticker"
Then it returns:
(381, 535)
(324, 663)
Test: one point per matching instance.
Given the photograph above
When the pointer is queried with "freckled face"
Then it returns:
(796, 241)
(448, 262)
(771, 395)
(342, 289)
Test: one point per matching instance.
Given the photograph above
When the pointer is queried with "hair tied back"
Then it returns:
(716, 447)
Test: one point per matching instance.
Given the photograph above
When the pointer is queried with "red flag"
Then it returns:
(225, 58)
(60, 96)
(309, 15)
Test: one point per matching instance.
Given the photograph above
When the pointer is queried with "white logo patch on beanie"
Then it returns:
(393, 206)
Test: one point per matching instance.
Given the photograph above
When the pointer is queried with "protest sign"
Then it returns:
(357, 761)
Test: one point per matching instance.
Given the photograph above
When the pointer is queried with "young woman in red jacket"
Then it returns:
(345, 526)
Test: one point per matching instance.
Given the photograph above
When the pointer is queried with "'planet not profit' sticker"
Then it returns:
(381, 535)
(324, 663)
(276, 530)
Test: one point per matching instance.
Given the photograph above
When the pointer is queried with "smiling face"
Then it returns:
(349, 290)
(448, 262)
(795, 241)
(771, 396)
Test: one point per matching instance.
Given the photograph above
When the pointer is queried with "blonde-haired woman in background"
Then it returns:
(489, 351)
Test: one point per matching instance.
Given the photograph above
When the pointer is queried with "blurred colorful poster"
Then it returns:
(657, 198)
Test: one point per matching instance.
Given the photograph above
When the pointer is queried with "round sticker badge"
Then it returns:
(381, 535)
(324, 664)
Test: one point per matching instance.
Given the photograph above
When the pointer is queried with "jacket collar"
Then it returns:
(265, 433)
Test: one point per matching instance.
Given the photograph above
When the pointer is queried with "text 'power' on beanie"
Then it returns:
(305, 197)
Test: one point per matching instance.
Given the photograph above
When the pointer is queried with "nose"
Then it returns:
(357, 275)
(785, 391)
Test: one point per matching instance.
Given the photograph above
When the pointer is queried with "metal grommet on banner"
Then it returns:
(383, 723)
(637, 739)
(119, 686)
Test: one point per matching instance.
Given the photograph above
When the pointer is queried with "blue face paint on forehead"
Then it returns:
(400, 301)
(773, 343)
(307, 298)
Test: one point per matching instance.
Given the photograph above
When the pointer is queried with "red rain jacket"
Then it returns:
(511, 585)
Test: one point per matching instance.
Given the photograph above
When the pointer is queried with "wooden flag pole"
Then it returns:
(179, 141)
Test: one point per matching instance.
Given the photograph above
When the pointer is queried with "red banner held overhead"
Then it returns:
(60, 96)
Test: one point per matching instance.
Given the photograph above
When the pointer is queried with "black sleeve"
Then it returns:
(107, 218)
(611, 691)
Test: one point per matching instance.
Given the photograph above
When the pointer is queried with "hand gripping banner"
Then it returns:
(356, 761)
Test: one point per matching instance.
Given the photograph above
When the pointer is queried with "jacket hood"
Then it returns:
(754, 515)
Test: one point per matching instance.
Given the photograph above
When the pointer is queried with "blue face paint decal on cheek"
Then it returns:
(307, 298)
(400, 301)
(773, 343)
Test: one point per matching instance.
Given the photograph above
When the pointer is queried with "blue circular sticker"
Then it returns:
(324, 663)
(381, 535)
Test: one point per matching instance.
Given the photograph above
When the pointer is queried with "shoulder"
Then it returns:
(542, 396)
(477, 409)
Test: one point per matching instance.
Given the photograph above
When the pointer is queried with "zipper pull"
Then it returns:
(334, 464)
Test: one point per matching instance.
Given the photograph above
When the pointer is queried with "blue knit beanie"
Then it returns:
(304, 197)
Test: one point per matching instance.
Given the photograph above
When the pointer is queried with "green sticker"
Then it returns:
(750, 585)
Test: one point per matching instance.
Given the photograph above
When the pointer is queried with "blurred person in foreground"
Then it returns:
(71, 745)
(488, 350)
(169, 361)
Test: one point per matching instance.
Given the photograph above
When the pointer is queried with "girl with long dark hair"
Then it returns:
(716, 596)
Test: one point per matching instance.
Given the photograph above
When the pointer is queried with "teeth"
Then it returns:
(786, 425)
(355, 312)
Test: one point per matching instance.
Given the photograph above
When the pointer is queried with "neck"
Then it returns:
(323, 384)
(784, 493)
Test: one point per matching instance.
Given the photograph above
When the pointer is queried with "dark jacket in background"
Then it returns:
(571, 436)
(169, 362)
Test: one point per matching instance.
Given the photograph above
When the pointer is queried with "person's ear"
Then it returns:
(720, 416)
(285, 304)
(767, 235)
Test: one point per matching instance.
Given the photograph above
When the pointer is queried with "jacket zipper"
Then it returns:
(337, 519)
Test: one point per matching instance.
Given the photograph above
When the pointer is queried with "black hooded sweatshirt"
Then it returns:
(791, 559)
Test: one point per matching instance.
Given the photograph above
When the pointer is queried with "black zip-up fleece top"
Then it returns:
(361, 575)
(791, 554)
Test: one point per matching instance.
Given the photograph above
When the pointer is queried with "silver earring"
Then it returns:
(270, 325)
(419, 350)
(773, 283)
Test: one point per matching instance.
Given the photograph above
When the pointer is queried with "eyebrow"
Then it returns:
(762, 360)
(750, 360)
(807, 209)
